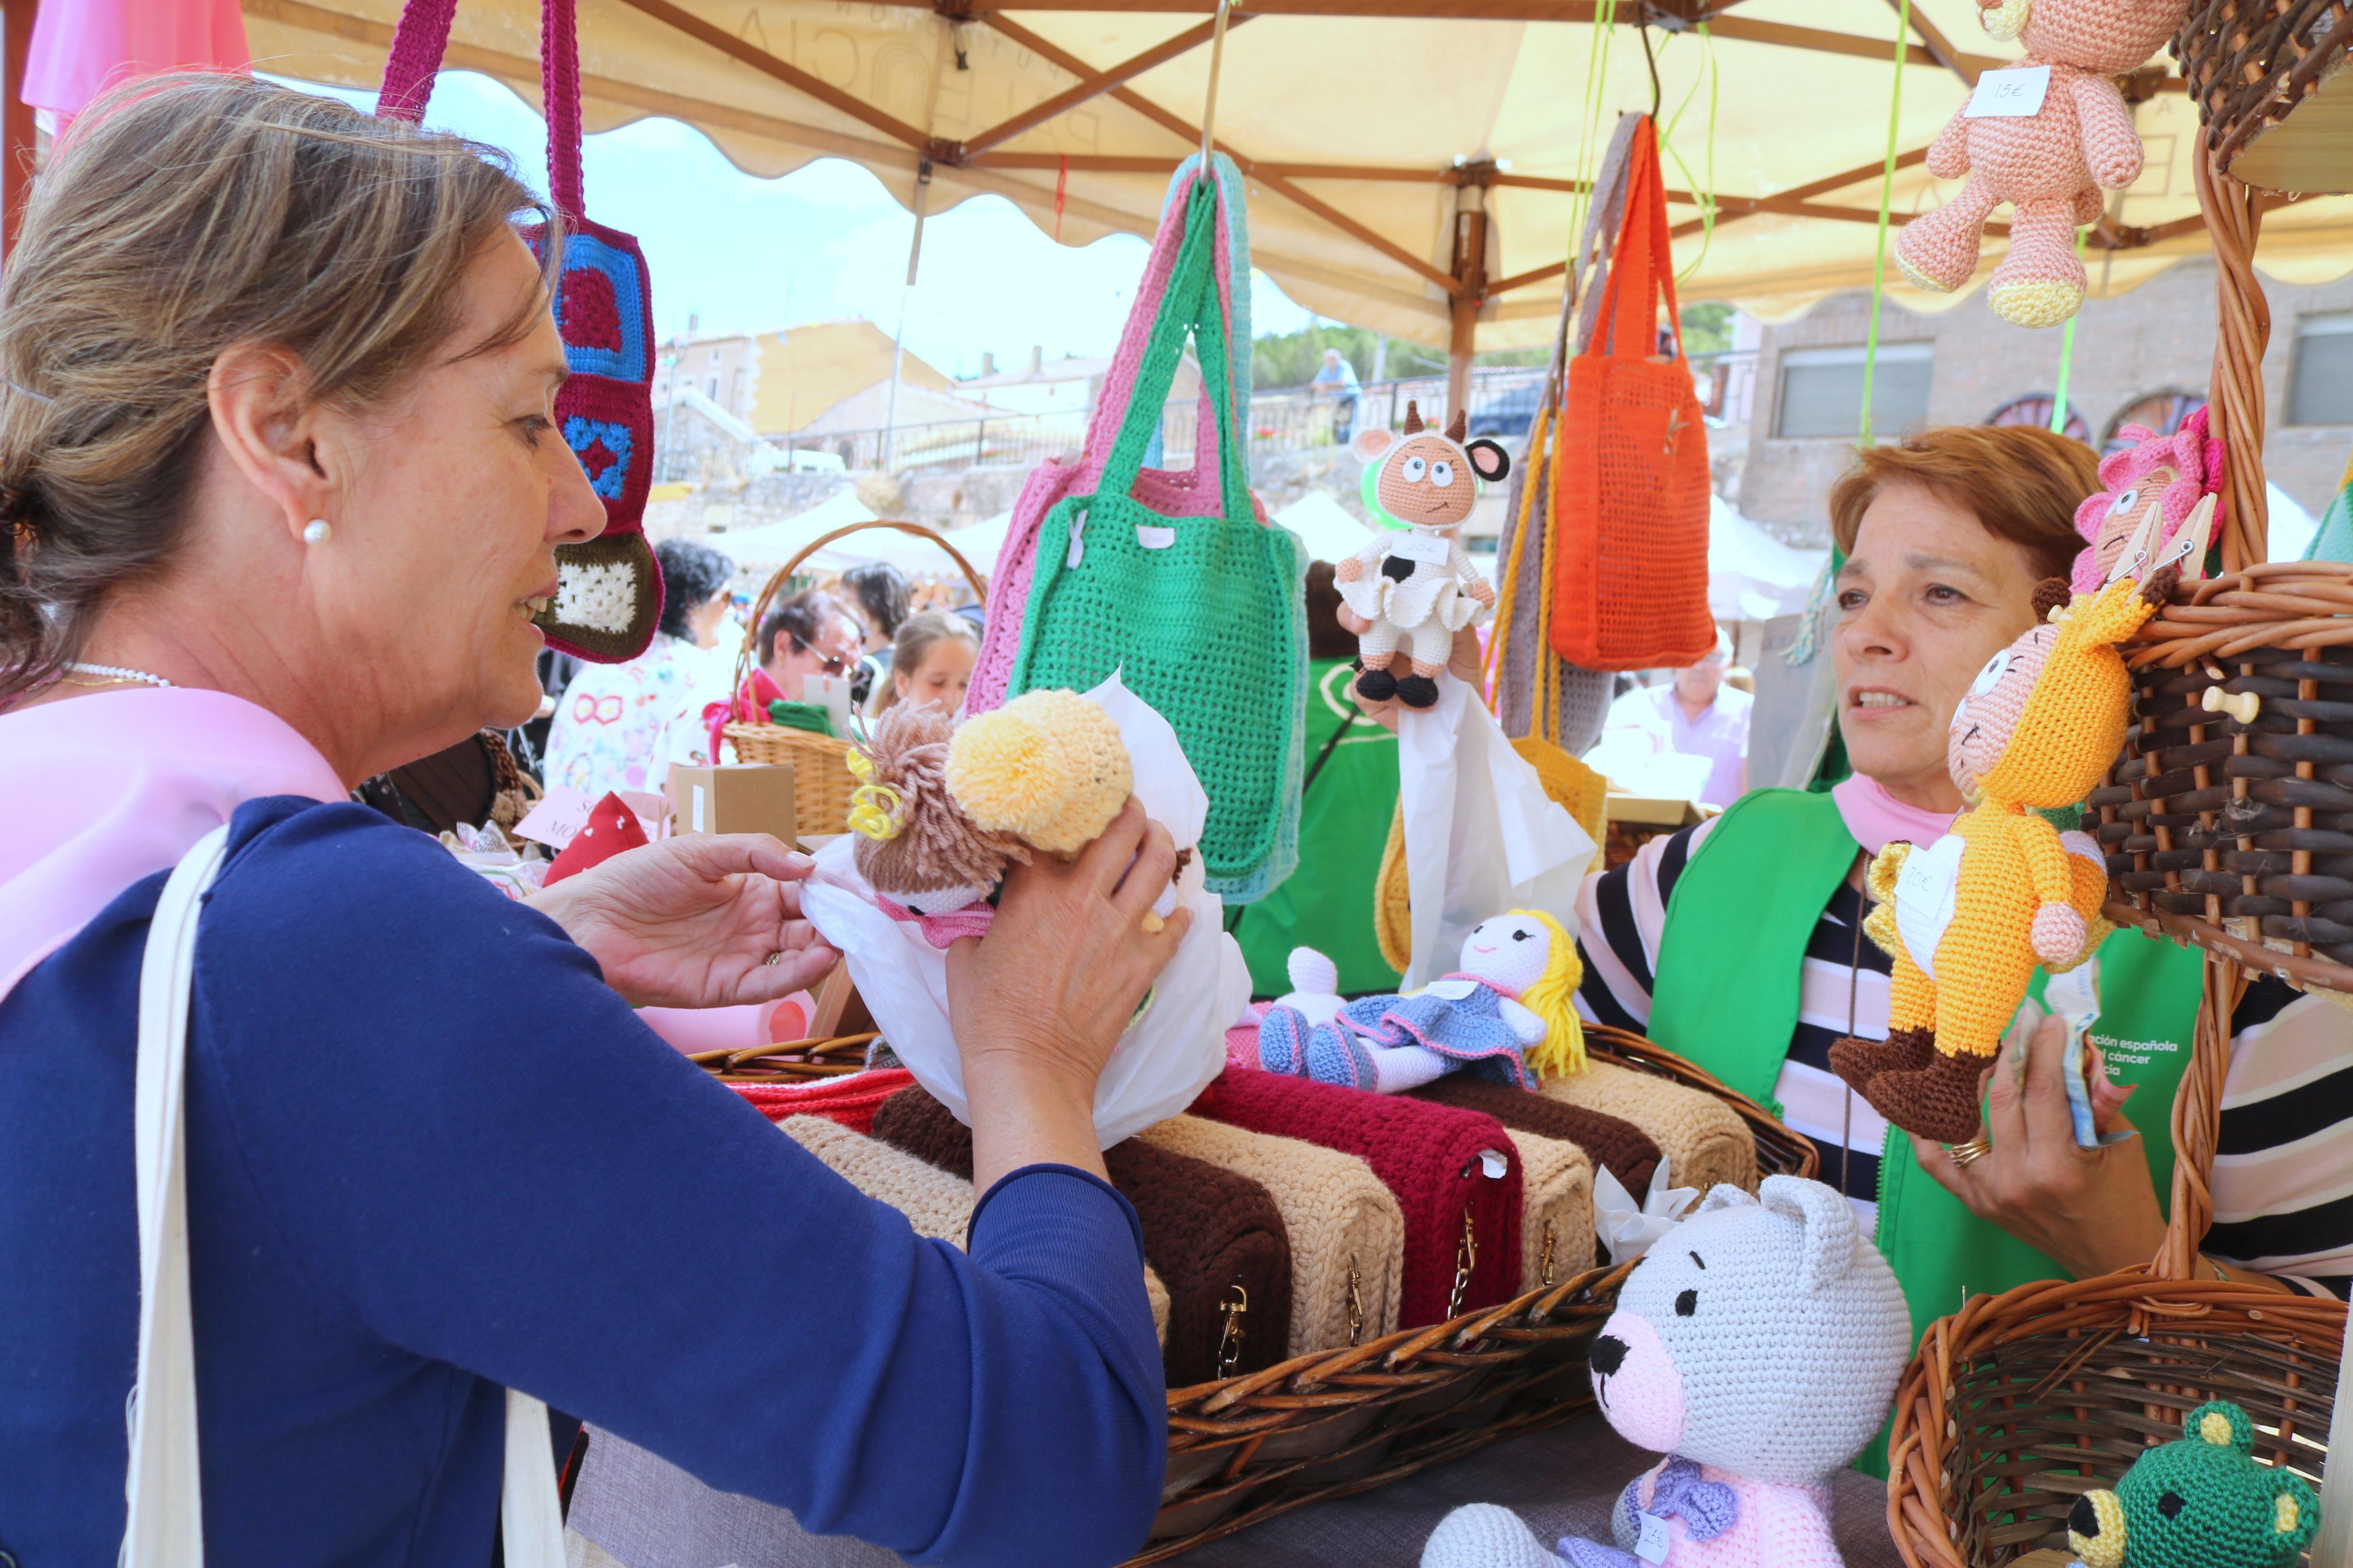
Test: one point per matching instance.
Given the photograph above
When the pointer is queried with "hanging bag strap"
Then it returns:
(1643, 272)
(163, 1517)
(421, 37)
(1191, 305)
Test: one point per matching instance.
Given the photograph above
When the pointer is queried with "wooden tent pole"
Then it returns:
(1468, 291)
(17, 136)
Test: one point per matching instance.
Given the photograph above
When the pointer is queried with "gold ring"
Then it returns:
(1976, 1149)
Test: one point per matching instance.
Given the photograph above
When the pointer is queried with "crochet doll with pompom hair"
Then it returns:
(2052, 165)
(1967, 919)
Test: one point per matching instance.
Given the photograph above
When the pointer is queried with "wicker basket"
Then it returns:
(1337, 1422)
(822, 782)
(2022, 1401)
(2249, 64)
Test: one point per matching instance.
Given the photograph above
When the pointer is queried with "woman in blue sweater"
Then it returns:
(279, 456)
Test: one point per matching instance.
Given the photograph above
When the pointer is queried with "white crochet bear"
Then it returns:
(1757, 1346)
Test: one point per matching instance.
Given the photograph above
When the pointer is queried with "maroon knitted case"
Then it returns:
(1205, 1230)
(1427, 1155)
(1617, 1145)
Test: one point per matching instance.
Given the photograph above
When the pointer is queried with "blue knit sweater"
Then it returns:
(430, 1154)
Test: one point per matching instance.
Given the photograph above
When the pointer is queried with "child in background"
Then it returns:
(930, 662)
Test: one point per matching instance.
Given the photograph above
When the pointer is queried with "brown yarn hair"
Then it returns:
(184, 215)
(936, 846)
(2023, 483)
(918, 635)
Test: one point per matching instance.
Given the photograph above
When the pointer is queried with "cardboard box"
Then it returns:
(738, 797)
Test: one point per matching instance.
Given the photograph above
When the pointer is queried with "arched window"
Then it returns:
(2034, 408)
(2162, 412)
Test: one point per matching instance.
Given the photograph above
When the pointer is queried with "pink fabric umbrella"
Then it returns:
(81, 47)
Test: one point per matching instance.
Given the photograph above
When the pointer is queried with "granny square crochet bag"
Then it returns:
(1165, 490)
(1630, 482)
(609, 592)
(1202, 617)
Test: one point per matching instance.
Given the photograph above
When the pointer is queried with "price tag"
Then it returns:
(2015, 93)
(1152, 538)
(1423, 547)
(1652, 1546)
(1451, 990)
(1926, 891)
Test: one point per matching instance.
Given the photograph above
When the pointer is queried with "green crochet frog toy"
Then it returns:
(2202, 1502)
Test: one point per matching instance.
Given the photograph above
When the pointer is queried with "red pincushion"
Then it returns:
(611, 827)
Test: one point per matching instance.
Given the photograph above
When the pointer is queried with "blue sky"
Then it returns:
(746, 254)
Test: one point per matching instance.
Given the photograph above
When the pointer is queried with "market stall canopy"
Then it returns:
(1414, 164)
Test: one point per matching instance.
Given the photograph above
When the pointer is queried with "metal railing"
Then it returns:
(1502, 405)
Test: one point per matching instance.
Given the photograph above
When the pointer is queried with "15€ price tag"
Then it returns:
(2013, 93)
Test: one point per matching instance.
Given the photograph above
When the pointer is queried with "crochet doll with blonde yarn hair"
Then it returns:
(1509, 1013)
(1967, 918)
(2052, 164)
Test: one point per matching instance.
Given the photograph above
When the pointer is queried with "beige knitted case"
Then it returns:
(935, 1203)
(1335, 1211)
(1704, 1140)
(1555, 1209)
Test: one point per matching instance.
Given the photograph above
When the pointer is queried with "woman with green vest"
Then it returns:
(1738, 943)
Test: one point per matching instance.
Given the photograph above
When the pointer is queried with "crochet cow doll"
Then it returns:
(1418, 587)
(1967, 918)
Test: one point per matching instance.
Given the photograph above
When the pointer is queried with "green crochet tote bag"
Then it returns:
(1202, 617)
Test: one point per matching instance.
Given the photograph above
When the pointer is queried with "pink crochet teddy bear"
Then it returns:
(2052, 165)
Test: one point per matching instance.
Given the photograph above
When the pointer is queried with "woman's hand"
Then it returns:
(2094, 1211)
(700, 920)
(1039, 1002)
(1465, 661)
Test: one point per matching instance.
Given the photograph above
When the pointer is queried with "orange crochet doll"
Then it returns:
(2052, 164)
(1967, 918)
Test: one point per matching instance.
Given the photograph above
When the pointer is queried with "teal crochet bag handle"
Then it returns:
(1201, 617)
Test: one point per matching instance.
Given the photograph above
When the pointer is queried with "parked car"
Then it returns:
(1508, 413)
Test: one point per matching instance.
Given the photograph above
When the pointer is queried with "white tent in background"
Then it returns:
(2291, 526)
(1751, 575)
(1325, 526)
(981, 541)
(771, 545)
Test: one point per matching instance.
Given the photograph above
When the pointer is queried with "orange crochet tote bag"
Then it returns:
(1629, 478)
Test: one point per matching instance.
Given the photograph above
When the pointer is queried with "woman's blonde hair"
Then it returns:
(918, 635)
(184, 215)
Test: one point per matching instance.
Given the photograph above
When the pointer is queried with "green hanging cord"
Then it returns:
(1597, 75)
(1704, 190)
(2066, 356)
(1886, 196)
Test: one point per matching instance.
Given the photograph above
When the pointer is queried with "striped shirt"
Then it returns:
(2283, 1169)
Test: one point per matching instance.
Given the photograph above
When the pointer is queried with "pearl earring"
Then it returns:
(316, 531)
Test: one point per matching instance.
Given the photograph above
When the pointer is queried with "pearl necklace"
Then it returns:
(115, 672)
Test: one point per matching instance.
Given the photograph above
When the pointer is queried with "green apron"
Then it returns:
(1726, 996)
(1343, 820)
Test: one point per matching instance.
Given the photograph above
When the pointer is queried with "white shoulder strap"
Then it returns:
(164, 1524)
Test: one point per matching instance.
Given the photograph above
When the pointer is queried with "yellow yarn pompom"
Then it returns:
(1048, 767)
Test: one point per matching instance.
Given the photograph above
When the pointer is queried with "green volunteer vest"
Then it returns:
(1726, 996)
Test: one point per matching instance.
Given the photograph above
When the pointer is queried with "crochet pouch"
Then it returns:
(1455, 1174)
(1201, 616)
(1702, 1140)
(1631, 481)
(609, 592)
(1207, 1232)
(1173, 490)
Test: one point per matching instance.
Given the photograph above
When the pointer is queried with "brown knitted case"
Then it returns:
(1703, 1139)
(1612, 1142)
(1206, 1231)
(935, 1203)
(1345, 1226)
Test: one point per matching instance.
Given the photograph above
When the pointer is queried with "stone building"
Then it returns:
(2143, 358)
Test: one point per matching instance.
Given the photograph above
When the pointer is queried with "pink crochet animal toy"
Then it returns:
(2169, 474)
(2051, 164)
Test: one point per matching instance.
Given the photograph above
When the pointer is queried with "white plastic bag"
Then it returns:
(1167, 1055)
(1481, 834)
